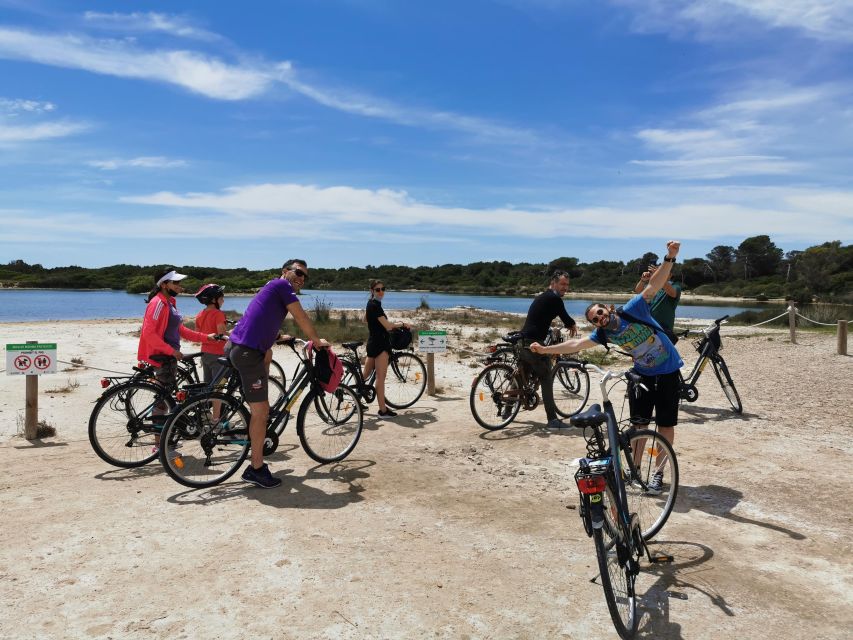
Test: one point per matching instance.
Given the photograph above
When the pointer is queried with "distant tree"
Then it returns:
(757, 256)
(569, 265)
(720, 261)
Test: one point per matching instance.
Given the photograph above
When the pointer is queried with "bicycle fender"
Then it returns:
(596, 510)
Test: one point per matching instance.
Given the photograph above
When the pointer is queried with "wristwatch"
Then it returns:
(668, 259)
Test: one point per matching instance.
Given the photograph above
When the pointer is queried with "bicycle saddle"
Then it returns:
(592, 417)
(351, 345)
(224, 361)
(513, 337)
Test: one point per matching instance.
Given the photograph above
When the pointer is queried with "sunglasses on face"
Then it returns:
(300, 274)
(379, 289)
(598, 316)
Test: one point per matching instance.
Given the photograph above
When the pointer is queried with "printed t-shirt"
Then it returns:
(260, 325)
(652, 352)
(206, 322)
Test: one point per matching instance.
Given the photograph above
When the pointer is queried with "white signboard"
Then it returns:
(30, 359)
(432, 341)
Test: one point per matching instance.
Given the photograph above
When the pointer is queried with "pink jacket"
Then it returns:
(154, 325)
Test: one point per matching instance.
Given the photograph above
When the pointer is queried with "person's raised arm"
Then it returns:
(661, 274)
(569, 346)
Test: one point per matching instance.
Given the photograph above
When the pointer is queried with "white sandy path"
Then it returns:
(433, 527)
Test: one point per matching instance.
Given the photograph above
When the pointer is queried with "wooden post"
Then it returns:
(842, 337)
(792, 322)
(430, 374)
(31, 412)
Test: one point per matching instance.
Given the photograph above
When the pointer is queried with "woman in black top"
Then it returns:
(379, 342)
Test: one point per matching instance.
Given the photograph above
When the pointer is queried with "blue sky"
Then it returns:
(356, 132)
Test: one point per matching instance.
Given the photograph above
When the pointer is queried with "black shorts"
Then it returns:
(376, 344)
(253, 373)
(209, 366)
(662, 398)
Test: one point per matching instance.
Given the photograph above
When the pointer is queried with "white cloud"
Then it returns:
(156, 22)
(194, 71)
(146, 162)
(798, 214)
(13, 107)
(43, 131)
(829, 20)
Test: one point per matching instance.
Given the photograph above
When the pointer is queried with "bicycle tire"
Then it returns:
(613, 552)
(329, 424)
(122, 428)
(495, 398)
(352, 378)
(405, 381)
(197, 451)
(570, 385)
(721, 370)
(650, 452)
(277, 372)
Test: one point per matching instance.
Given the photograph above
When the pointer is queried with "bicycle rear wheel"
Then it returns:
(495, 397)
(277, 372)
(652, 454)
(405, 381)
(570, 383)
(724, 377)
(126, 421)
(198, 451)
(329, 424)
(616, 567)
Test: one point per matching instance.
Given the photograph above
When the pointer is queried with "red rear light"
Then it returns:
(493, 348)
(104, 383)
(180, 396)
(592, 484)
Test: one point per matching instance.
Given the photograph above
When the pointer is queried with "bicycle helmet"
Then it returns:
(210, 293)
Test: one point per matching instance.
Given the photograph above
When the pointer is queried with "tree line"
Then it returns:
(756, 268)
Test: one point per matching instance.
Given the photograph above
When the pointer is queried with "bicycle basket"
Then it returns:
(400, 338)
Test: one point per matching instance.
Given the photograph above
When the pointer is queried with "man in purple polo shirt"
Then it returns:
(250, 351)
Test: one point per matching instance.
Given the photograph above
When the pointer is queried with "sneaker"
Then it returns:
(388, 413)
(364, 407)
(556, 423)
(261, 477)
(655, 485)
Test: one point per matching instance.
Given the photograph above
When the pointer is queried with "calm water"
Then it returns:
(21, 306)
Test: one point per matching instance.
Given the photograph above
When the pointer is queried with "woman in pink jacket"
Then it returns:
(163, 328)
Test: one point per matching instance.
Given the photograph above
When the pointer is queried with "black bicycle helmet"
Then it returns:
(209, 293)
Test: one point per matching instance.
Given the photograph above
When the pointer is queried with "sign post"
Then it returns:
(31, 359)
(430, 343)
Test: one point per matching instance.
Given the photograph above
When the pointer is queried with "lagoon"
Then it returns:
(23, 305)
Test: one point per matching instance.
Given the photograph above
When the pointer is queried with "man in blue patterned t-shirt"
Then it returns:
(655, 357)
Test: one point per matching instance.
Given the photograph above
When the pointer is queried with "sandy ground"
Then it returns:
(433, 527)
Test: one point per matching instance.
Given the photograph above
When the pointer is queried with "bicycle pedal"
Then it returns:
(675, 594)
(661, 558)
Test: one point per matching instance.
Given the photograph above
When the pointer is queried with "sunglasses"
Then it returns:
(300, 274)
(598, 316)
(379, 289)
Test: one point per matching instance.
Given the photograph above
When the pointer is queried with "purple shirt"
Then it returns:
(172, 335)
(261, 324)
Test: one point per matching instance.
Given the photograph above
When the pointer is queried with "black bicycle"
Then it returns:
(709, 347)
(404, 383)
(206, 439)
(505, 386)
(628, 483)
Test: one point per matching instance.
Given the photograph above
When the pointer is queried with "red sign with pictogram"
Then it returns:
(22, 363)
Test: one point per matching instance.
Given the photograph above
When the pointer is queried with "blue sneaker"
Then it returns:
(261, 477)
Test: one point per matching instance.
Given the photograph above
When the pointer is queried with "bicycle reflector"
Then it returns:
(493, 348)
(591, 484)
(104, 383)
(181, 395)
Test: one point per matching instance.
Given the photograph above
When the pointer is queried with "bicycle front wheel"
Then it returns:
(329, 424)
(277, 373)
(652, 484)
(570, 383)
(405, 381)
(724, 377)
(206, 440)
(126, 421)
(495, 397)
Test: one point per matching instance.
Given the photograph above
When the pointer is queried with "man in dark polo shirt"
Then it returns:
(544, 308)
(250, 351)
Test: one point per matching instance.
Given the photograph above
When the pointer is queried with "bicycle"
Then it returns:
(708, 347)
(504, 386)
(615, 497)
(199, 451)
(404, 383)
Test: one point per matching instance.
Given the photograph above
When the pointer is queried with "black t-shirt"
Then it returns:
(374, 326)
(544, 308)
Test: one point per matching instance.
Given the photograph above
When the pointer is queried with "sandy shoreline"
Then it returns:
(433, 526)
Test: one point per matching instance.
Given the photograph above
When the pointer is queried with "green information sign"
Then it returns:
(31, 346)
